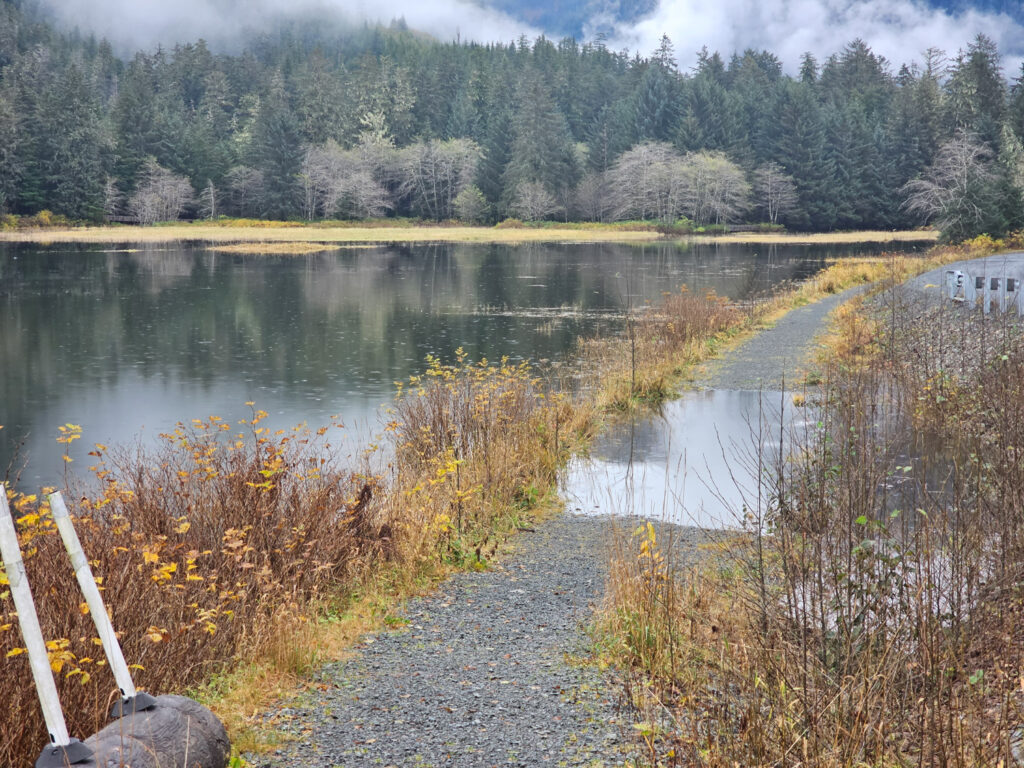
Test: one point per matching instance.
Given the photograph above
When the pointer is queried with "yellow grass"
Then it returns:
(274, 248)
(820, 238)
(265, 235)
(267, 232)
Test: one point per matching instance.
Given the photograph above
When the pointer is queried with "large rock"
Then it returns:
(176, 733)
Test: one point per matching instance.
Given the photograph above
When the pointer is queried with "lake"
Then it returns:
(128, 340)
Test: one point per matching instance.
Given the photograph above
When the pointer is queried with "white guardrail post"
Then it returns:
(131, 700)
(63, 750)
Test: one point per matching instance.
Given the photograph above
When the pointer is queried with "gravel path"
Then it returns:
(780, 352)
(481, 675)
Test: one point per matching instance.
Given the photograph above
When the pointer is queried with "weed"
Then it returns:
(868, 615)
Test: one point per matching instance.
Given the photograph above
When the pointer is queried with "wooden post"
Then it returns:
(64, 749)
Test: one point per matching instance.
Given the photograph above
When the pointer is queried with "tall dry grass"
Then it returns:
(224, 543)
(660, 344)
(870, 616)
(643, 365)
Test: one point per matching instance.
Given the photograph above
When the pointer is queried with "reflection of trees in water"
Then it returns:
(350, 320)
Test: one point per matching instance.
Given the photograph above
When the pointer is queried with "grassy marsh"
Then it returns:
(266, 232)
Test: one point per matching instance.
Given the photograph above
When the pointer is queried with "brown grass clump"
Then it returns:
(870, 613)
(643, 366)
(229, 545)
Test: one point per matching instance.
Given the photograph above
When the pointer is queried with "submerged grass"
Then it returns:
(283, 249)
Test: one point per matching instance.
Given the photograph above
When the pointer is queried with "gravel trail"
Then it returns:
(482, 673)
(777, 353)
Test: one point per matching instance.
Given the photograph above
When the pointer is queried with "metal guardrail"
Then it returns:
(1001, 292)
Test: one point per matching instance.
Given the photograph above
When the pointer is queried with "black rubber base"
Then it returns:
(55, 756)
(140, 702)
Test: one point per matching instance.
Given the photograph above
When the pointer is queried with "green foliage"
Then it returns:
(77, 124)
(471, 205)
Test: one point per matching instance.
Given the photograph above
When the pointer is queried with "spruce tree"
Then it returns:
(276, 151)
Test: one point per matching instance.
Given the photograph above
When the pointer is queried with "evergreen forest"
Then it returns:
(319, 121)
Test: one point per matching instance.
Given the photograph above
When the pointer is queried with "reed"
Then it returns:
(867, 615)
(231, 553)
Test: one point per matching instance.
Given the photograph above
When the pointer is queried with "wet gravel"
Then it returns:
(778, 354)
(485, 673)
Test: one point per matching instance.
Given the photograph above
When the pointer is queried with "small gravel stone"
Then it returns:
(777, 354)
(481, 675)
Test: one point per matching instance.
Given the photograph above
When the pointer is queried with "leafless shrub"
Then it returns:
(161, 195)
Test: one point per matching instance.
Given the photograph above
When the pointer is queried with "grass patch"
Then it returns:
(327, 232)
(821, 238)
(284, 249)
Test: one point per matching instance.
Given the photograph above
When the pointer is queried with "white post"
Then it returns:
(38, 658)
(87, 584)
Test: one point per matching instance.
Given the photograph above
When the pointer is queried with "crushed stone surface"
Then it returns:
(485, 672)
(776, 355)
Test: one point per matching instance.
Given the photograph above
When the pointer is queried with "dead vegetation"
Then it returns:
(870, 612)
(231, 543)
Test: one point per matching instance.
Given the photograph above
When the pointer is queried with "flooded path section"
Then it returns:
(698, 461)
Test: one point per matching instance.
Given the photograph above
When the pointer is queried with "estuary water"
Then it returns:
(127, 340)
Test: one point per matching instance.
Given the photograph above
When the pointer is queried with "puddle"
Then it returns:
(696, 463)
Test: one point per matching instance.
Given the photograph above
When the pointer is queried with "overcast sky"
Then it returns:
(897, 29)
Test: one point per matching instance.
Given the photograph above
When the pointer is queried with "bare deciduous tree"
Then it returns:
(957, 191)
(340, 181)
(209, 201)
(533, 201)
(433, 173)
(775, 191)
(647, 182)
(161, 195)
(593, 200)
(716, 189)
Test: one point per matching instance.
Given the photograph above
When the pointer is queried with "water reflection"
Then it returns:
(696, 463)
(128, 340)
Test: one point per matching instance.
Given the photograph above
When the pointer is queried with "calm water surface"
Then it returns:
(126, 341)
(698, 462)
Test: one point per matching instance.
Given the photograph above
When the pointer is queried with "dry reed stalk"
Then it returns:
(874, 617)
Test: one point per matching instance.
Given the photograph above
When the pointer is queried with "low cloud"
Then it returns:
(133, 24)
(897, 29)
(900, 30)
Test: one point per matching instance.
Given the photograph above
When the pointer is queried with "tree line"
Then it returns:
(318, 122)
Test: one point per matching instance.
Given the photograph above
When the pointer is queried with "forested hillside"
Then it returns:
(319, 122)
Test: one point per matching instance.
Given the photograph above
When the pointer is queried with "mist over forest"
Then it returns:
(331, 120)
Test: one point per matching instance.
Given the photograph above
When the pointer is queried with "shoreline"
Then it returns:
(388, 235)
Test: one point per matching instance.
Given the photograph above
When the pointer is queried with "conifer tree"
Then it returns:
(277, 152)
